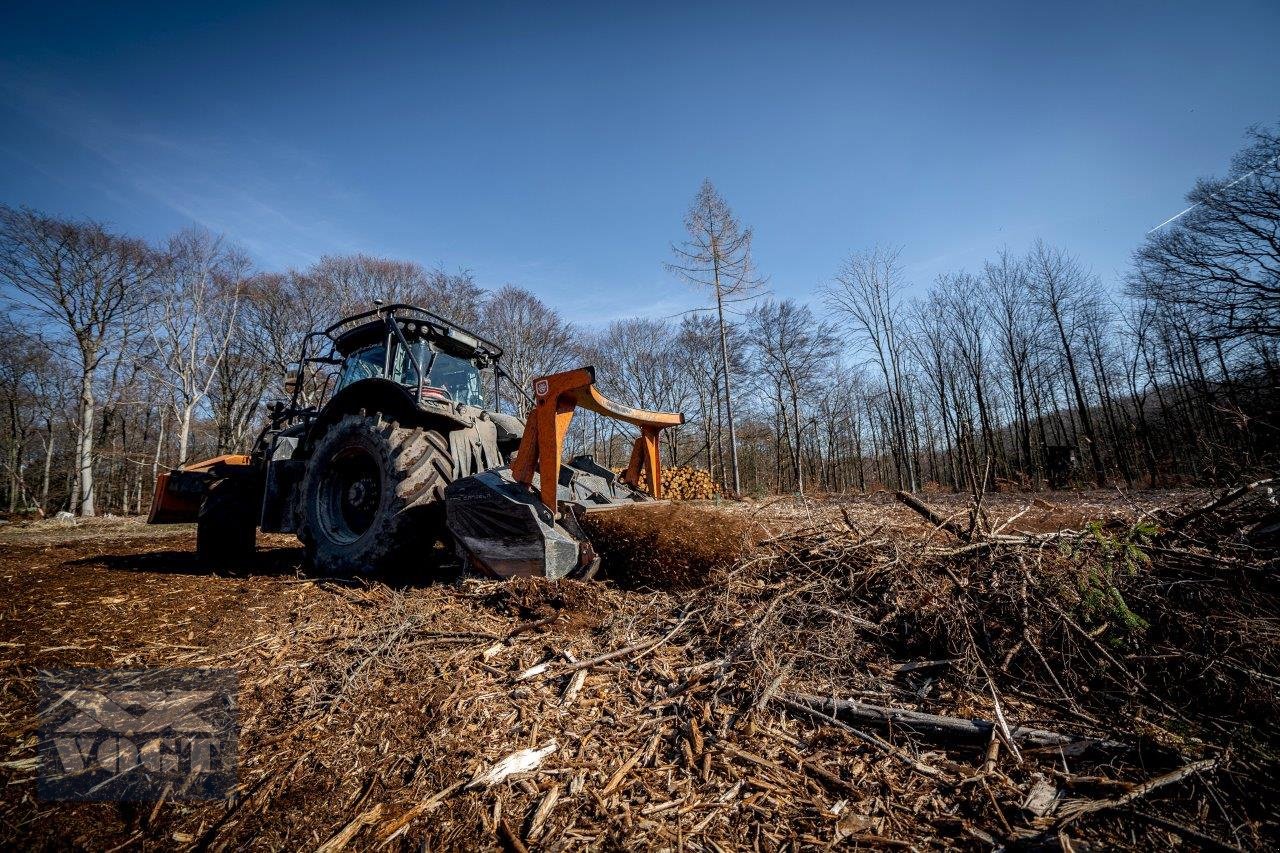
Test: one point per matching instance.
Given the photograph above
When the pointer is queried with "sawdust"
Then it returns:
(668, 546)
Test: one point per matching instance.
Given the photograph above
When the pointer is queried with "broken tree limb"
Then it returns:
(1215, 505)
(638, 649)
(866, 737)
(933, 518)
(1072, 810)
(938, 727)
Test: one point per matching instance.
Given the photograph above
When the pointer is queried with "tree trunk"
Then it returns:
(48, 468)
(728, 392)
(84, 451)
(184, 434)
(798, 453)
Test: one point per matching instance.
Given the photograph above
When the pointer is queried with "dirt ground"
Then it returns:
(365, 706)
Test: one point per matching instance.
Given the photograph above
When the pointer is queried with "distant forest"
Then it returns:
(122, 358)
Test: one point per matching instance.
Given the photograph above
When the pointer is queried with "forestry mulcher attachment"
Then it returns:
(403, 454)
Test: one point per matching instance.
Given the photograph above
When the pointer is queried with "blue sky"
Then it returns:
(557, 146)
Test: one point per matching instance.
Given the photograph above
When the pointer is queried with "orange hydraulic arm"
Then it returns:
(555, 398)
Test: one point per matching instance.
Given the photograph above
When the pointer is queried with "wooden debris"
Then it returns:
(705, 718)
(520, 761)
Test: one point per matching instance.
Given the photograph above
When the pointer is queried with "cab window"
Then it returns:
(458, 378)
(365, 364)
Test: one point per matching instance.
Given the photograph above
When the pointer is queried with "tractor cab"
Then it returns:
(432, 358)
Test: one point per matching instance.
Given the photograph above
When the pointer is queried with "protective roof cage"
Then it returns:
(349, 333)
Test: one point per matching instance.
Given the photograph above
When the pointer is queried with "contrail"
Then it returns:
(1227, 187)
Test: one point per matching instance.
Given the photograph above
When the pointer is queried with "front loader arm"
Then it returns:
(555, 399)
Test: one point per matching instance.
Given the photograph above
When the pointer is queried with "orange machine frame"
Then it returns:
(168, 507)
(555, 399)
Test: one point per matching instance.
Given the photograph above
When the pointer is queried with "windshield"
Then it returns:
(449, 376)
(457, 377)
(365, 364)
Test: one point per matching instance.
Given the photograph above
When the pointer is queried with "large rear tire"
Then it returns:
(227, 524)
(373, 496)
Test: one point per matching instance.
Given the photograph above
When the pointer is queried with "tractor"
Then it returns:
(387, 448)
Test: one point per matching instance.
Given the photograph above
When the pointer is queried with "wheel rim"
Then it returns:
(350, 494)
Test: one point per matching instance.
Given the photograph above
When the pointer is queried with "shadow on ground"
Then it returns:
(436, 566)
(266, 562)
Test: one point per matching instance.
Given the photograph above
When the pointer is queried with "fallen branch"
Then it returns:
(1078, 808)
(637, 649)
(866, 737)
(933, 518)
(1215, 505)
(938, 727)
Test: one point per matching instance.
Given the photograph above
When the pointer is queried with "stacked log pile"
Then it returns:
(685, 483)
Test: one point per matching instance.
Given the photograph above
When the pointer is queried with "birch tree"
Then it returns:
(197, 301)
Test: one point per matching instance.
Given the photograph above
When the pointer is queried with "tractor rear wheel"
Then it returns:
(373, 495)
(227, 523)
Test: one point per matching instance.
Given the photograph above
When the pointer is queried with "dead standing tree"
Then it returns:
(717, 256)
(87, 286)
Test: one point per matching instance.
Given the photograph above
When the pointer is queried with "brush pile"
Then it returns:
(872, 673)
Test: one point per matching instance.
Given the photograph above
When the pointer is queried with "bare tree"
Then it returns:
(535, 339)
(867, 292)
(21, 360)
(717, 256)
(1063, 291)
(353, 283)
(199, 295)
(638, 362)
(966, 307)
(91, 286)
(697, 350)
(797, 350)
(1221, 258)
(1016, 335)
(277, 311)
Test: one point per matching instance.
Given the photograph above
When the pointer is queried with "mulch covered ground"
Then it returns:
(855, 675)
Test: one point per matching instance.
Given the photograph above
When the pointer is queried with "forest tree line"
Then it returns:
(121, 358)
